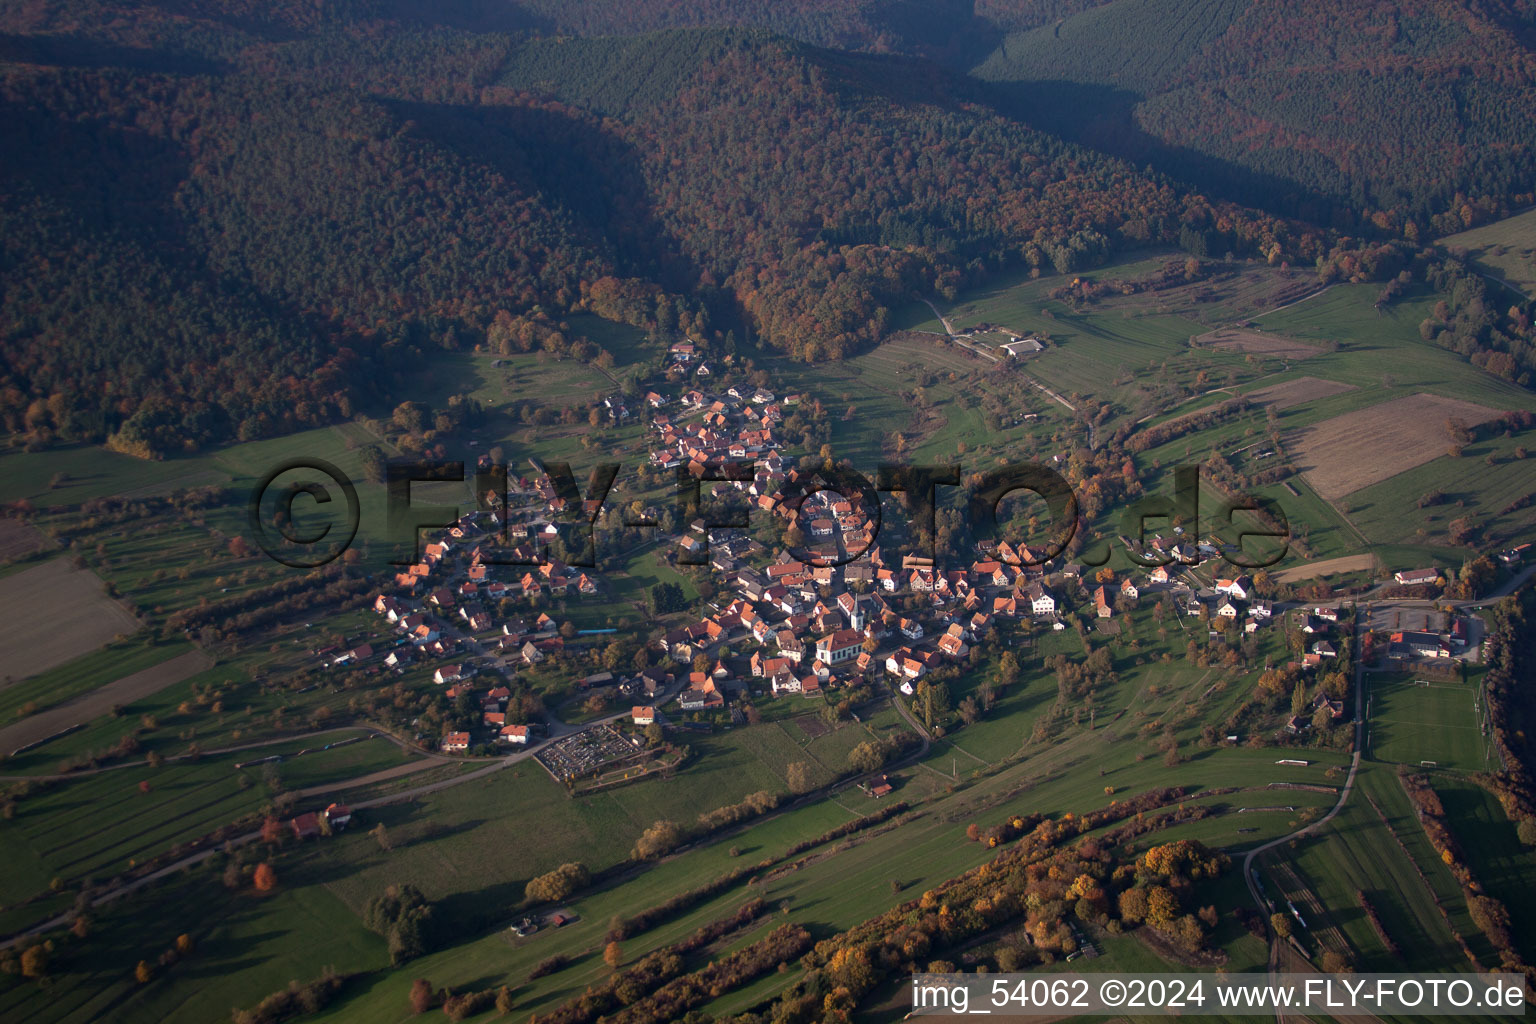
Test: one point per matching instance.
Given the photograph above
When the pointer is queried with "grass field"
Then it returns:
(1505, 249)
(1413, 721)
(248, 946)
(1357, 852)
(52, 836)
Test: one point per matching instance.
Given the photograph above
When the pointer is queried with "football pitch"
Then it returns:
(1434, 724)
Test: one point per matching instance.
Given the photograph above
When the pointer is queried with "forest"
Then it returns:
(229, 220)
(1410, 118)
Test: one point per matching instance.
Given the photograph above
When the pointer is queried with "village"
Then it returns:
(837, 612)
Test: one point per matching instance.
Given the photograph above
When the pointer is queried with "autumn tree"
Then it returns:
(660, 838)
(265, 879)
(798, 776)
(34, 962)
(558, 884)
(613, 955)
(272, 831)
(422, 995)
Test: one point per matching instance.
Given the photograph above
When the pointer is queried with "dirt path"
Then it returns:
(382, 775)
(31, 731)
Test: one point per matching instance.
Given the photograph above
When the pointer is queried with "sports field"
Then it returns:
(1413, 721)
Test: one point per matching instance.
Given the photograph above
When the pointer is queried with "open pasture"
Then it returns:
(1356, 449)
(1505, 248)
(1390, 512)
(54, 612)
(1415, 721)
(1229, 292)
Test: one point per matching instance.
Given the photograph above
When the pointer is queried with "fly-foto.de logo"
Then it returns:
(525, 523)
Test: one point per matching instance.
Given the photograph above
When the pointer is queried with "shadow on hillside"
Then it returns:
(1103, 118)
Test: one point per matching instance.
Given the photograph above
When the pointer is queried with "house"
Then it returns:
(531, 654)
(1515, 555)
(785, 682)
(1101, 602)
(701, 699)
(953, 644)
(642, 715)
(356, 654)
(1238, 588)
(337, 816)
(305, 826)
(1417, 577)
(1324, 649)
(790, 646)
(1227, 609)
(1128, 589)
(1159, 574)
(517, 734)
(1335, 707)
(1041, 601)
(448, 674)
(456, 743)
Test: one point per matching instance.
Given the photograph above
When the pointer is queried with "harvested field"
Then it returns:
(54, 612)
(1343, 454)
(1327, 567)
(1296, 392)
(17, 538)
(1239, 339)
(98, 702)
